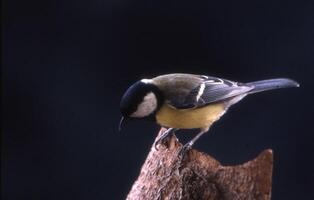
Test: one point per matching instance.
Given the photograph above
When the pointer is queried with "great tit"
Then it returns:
(188, 101)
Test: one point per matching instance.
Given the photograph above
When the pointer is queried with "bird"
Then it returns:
(188, 101)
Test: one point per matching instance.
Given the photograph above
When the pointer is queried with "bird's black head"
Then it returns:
(141, 100)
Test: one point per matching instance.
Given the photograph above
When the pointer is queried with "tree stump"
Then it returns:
(165, 175)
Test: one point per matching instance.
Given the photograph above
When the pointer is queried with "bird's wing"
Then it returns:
(202, 91)
(213, 90)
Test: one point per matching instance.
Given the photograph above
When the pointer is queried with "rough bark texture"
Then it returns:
(165, 175)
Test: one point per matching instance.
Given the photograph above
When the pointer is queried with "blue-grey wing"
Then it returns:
(213, 90)
(184, 91)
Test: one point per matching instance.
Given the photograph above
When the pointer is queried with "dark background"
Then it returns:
(67, 63)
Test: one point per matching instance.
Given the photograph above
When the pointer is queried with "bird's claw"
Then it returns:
(164, 137)
(160, 140)
(184, 149)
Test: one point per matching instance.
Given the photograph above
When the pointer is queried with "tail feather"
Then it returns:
(270, 84)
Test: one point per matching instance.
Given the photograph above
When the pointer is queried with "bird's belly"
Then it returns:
(190, 118)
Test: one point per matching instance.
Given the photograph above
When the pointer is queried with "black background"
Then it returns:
(67, 63)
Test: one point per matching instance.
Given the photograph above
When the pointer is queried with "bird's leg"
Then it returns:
(164, 136)
(188, 145)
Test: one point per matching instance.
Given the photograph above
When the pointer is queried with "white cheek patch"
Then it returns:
(147, 107)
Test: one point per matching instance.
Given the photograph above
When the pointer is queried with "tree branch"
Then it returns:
(164, 175)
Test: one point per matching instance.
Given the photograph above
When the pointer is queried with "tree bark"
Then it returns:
(165, 175)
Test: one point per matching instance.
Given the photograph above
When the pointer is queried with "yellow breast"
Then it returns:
(202, 117)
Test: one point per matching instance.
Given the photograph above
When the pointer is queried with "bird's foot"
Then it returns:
(163, 137)
(185, 148)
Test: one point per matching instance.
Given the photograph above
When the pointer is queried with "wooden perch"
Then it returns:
(164, 175)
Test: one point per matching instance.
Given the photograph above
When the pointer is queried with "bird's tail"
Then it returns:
(270, 84)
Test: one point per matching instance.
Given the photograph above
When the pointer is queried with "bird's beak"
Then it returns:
(123, 119)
